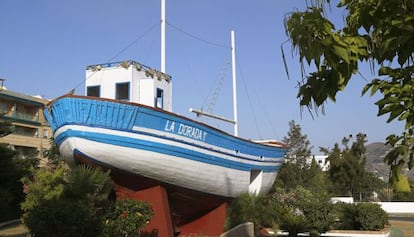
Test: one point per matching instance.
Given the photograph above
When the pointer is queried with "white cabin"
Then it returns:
(129, 81)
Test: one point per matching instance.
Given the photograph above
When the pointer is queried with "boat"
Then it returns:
(125, 123)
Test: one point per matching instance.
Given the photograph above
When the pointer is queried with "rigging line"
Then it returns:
(133, 42)
(196, 37)
(250, 102)
(122, 50)
(210, 101)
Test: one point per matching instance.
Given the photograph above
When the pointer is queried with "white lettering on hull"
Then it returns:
(186, 130)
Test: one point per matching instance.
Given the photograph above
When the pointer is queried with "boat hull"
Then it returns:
(162, 146)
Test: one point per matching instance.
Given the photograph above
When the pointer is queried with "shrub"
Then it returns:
(251, 208)
(126, 217)
(307, 211)
(65, 202)
(294, 223)
(362, 216)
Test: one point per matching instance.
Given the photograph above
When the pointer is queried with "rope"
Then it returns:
(197, 38)
(250, 102)
(122, 50)
(219, 84)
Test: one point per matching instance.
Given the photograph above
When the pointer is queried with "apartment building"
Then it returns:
(31, 136)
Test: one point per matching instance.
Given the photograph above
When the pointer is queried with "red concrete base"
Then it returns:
(157, 196)
(210, 224)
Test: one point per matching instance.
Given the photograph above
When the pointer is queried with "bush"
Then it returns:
(362, 216)
(251, 208)
(64, 202)
(294, 223)
(62, 217)
(126, 217)
(51, 207)
(307, 211)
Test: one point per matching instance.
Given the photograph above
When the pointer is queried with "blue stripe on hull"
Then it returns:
(161, 148)
(123, 117)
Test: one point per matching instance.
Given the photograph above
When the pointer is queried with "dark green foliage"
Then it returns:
(362, 216)
(74, 202)
(12, 170)
(297, 171)
(316, 180)
(307, 211)
(381, 32)
(290, 176)
(84, 181)
(293, 223)
(299, 146)
(62, 217)
(126, 217)
(11, 193)
(51, 209)
(251, 208)
(403, 197)
(347, 170)
(52, 154)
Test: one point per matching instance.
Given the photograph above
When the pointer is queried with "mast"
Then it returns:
(163, 36)
(233, 69)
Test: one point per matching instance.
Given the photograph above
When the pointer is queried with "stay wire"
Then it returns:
(151, 28)
(196, 37)
(250, 103)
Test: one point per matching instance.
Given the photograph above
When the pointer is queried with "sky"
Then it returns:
(45, 46)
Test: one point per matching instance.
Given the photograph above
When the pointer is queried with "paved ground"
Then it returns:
(402, 226)
(403, 223)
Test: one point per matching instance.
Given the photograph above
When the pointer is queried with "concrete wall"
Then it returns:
(398, 207)
(389, 207)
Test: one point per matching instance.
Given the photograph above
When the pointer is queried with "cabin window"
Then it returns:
(122, 91)
(159, 99)
(93, 91)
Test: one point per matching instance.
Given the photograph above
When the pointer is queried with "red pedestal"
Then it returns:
(161, 220)
(157, 196)
(210, 224)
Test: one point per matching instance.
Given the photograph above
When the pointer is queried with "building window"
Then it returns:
(25, 131)
(45, 133)
(26, 112)
(4, 107)
(24, 152)
(159, 99)
(122, 91)
(93, 91)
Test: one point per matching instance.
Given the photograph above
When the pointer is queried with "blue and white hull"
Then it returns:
(162, 146)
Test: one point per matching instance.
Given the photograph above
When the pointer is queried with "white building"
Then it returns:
(130, 81)
(321, 160)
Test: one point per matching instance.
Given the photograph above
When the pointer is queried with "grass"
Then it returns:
(395, 232)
